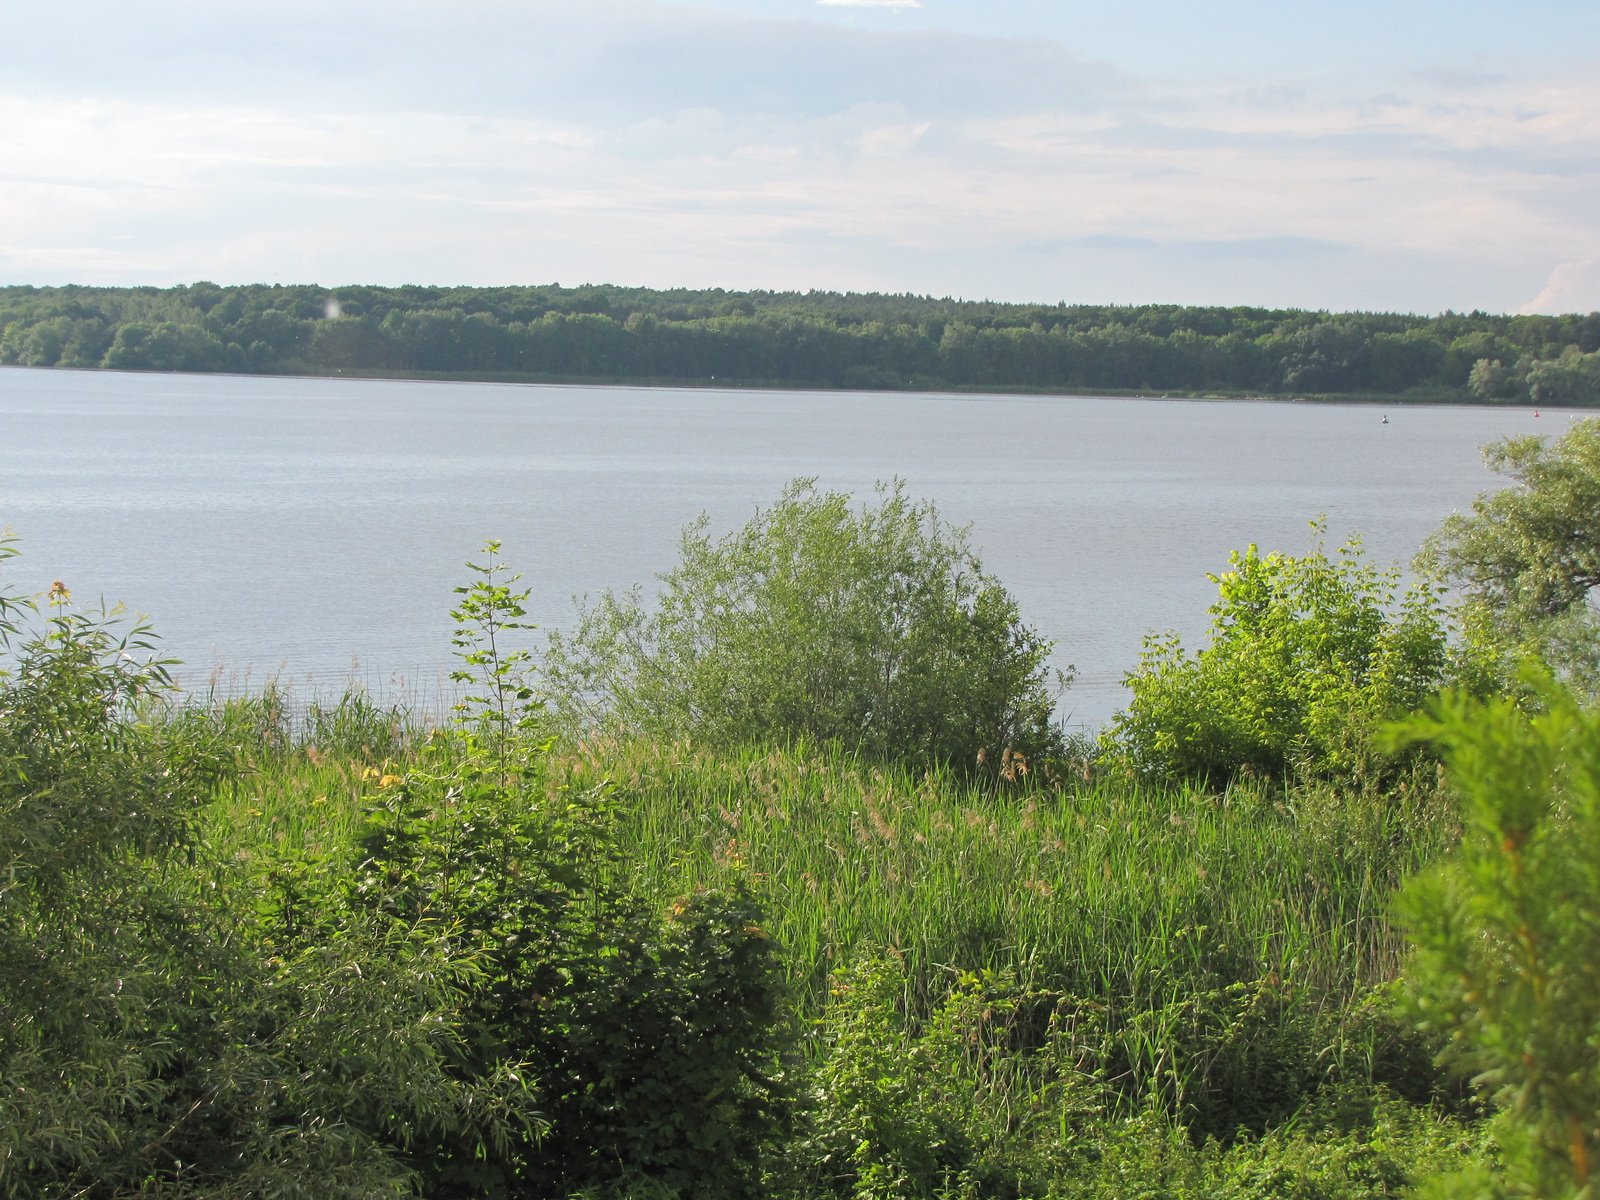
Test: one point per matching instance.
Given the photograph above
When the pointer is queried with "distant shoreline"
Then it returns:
(603, 335)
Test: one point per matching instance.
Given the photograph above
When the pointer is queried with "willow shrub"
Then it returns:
(875, 628)
(159, 1032)
(1507, 932)
(1308, 657)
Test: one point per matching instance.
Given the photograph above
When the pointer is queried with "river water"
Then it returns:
(313, 528)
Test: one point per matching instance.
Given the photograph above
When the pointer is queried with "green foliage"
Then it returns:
(1353, 1144)
(249, 949)
(1235, 944)
(1493, 380)
(11, 606)
(810, 339)
(874, 628)
(488, 611)
(984, 1097)
(1508, 933)
(167, 346)
(158, 1032)
(466, 995)
(654, 1040)
(1528, 556)
(1572, 379)
(992, 1095)
(355, 723)
(1308, 656)
(82, 786)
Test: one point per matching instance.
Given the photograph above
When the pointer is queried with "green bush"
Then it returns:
(655, 1040)
(159, 1033)
(470, 998)
(1307, 657)
(1508, 935)
(987, 1096)
(876, 629)
(1527, 558)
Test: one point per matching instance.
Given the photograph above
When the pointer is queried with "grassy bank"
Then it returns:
(1222, 957)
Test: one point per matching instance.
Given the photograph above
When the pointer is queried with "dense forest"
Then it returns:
(811, 339)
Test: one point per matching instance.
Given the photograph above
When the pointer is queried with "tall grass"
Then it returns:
(1230, 947)
(302, 766)
(1234, 944)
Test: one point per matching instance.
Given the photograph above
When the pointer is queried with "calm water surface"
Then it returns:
(315, 527)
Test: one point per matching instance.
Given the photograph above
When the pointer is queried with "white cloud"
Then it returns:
(871, 3)
(1573, 287)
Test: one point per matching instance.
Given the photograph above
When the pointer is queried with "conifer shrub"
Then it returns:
(1507, 934)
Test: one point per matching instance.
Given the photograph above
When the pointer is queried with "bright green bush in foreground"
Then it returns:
(1308, 657)
(157, 1033)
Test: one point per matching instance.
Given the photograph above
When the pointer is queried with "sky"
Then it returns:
(1405, 154)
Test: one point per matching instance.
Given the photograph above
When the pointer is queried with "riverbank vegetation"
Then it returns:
(811, 339)
(783, 888)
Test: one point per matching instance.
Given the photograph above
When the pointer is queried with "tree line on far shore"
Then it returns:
(810, 339)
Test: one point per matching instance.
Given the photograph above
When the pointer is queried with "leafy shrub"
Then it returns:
(652, 1040)
(981, 1098)
(1507, 936)
(1307, 656)
(158, 1033)
(473, 999)
(1527, 558)
(655, 1040)
(877, 629)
